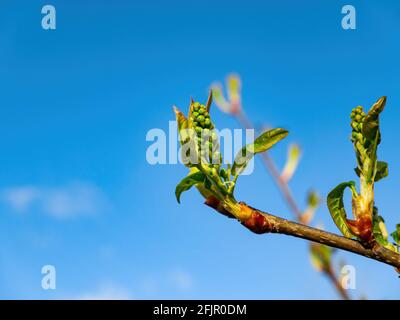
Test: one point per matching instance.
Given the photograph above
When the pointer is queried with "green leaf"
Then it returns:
(376, 109)
(379, 228)
(382, 170)
(233, 85)
(380, 232)
(320, 256)
(396, 234)
(293, 157)
(207, 184)
(316, 261)
(371, 160)
(370, 126)
(219, 98)
(182, 124)
(187, 183)
(209, 100)
(180, 119)
(313, 199)
(357, 171)
(264, 142)
(336, 207)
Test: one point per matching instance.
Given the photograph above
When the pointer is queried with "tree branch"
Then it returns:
(261, 222)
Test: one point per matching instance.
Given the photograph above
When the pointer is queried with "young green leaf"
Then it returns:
(396, 234)
(357, 171)
(382, 170)
(370, 126)
(380, 232)
(189, 181)
(320, 256)
(336, 207)
(313, 201)
(264, 142)
(316, 262)
(182, 124)
(180, 119)
(233, 85)
(219, 98)
(209, 100)
(293, 157)
(371, 160)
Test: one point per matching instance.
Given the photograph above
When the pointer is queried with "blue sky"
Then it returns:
(76, 104)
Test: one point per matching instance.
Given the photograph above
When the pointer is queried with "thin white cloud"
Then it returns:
(20, 198)
(67, 201)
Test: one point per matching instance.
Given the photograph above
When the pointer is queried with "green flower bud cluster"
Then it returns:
(357, 118)
(207, 139)
(200, 117)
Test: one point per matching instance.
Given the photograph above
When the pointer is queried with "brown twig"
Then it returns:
(261, 222)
